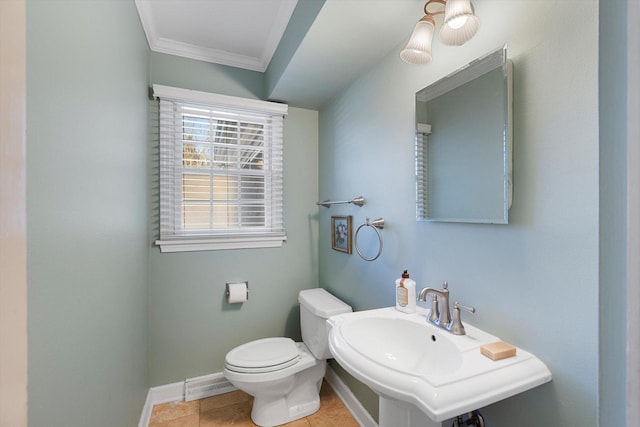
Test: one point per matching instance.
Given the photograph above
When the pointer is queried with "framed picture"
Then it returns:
(341, 233)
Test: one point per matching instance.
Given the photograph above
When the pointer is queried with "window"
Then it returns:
(220, 171)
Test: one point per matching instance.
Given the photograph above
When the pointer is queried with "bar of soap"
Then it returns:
(498, 350)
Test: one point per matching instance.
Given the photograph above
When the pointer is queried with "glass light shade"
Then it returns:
(418, 49)
(460, 24)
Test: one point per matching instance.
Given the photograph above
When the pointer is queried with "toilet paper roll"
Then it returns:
(237, 292)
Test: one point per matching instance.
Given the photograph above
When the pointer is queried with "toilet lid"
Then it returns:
(264, 355)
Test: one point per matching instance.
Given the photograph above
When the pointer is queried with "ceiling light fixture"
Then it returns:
(460, 24)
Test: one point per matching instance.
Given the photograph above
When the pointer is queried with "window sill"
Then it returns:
(220, 243)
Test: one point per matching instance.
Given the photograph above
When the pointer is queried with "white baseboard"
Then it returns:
(161, 394)
(167, 393)
(175, 392)
(145, 416)
(354, 406)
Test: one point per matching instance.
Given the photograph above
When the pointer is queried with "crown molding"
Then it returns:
(160, 44)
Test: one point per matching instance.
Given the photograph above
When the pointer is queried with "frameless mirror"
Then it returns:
(463, 144)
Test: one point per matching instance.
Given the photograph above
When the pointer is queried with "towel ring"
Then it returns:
(376, 224)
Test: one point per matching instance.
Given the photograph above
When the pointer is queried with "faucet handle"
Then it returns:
(435, 312)
(456, 327)
(464, 307)
(445, 285)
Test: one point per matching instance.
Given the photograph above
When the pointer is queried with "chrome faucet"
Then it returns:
(444, 313)
(441, 313)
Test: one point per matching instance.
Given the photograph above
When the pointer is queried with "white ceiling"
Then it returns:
(346, 38)
(240, 33)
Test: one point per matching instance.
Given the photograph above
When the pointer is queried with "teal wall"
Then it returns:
(534, 282)
(191, 326)
(110, 316)
(186, 73)
(301, 20)
(87, 115)
(613, 211)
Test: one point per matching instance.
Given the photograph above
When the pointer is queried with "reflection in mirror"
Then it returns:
(463, 144)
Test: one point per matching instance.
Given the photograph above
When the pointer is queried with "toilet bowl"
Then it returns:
(283, 376)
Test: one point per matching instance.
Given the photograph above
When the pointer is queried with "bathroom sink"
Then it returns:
(403, 358)
(402, 345)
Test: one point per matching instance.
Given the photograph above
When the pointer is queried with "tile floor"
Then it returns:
(234, 409)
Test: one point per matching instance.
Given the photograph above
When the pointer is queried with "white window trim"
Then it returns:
(222, 241)
(188, 95)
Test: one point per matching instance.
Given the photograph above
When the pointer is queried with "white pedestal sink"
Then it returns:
(425, 375)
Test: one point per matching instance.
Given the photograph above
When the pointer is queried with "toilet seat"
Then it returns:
(263, 355)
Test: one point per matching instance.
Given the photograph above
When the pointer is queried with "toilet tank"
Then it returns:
(316, 306)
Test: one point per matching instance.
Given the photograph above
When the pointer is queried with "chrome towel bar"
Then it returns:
(358, 201)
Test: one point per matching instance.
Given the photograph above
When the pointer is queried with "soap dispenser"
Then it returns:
(406, 294)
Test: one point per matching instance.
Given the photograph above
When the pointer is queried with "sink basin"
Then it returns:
(402, 345)
(403, 358)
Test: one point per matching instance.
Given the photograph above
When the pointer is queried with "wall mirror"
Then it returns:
(463, 144)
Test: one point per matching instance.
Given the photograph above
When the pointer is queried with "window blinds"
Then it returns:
(422, 195)
(221, 173)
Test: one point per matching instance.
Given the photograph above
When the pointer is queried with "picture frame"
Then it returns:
(341, 233)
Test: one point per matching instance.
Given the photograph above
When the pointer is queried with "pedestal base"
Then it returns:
(394, 413)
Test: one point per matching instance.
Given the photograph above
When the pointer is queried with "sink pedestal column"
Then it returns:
(395, 413)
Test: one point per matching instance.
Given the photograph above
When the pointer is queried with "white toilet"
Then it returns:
(284, 376)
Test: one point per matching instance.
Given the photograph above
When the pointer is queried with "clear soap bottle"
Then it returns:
(406, 294)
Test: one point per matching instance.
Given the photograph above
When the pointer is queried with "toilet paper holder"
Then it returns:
(228, 291)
